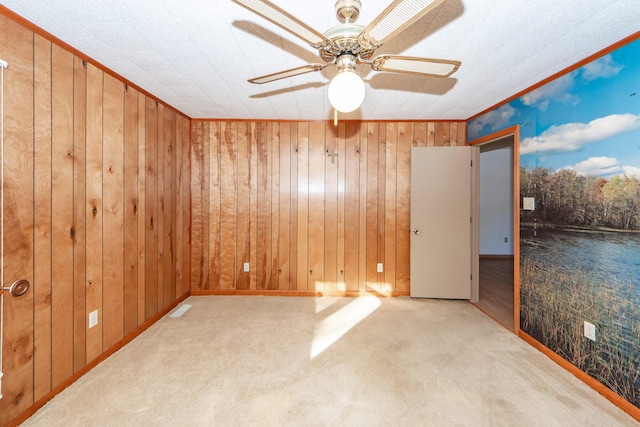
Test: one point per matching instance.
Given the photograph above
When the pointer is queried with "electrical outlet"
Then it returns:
(506, 240)
(93, 318)
(380, 268)
(590, 330)
(246, 267)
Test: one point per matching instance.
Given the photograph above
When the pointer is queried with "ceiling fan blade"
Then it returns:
(284, 20)
(399, 15)
(288, 73)
(415, 65)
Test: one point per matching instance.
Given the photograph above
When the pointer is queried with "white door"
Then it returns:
(443, 231)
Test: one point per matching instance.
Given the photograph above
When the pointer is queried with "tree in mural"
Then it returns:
(565, 197)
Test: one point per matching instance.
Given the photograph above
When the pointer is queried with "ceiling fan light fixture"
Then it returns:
(346, 91)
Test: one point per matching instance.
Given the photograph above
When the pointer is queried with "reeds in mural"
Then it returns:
(554, 305)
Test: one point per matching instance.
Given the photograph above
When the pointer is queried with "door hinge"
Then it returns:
(471, 163)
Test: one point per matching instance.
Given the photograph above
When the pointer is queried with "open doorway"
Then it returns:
(498, 227)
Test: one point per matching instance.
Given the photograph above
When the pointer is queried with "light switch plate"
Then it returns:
(529, 203)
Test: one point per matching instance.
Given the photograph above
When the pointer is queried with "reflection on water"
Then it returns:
(613, 256)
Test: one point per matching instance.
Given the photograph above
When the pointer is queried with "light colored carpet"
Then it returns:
(367, 361)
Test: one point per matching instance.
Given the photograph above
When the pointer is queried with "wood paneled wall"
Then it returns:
(309, 206)
(96, 212)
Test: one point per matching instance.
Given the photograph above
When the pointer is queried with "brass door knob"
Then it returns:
(18, 288)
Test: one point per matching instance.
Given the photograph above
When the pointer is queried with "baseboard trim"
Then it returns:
(291, 293)
(95, 362)
(620, 402)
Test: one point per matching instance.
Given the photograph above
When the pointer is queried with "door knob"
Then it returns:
(416, 231)
(18, 288)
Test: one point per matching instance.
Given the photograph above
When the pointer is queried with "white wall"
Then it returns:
(496, 202)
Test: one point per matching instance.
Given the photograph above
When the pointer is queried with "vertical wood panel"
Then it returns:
(284, 207)
(352, 208)
(264, 209)
(130, 210)
(159, 226)
(382, 167)
(302, 149)
(462, 134)
(179, 235)
(453, 133)
(215, 264)
(446, 134)
(274, 153)
(363, 232)
(186, 205)
(403, 208)
(330, 196)
(440, 134)
(113, 211)
(431, 134)
(293, 239)
(173, 213)
(243, 225)
(62, 215)
(79, 214)
(317, 157)
(151, 208)
(419, 135)
(390, 208)
(373, 162)
(17, 50)
(42, 242)
(317, 196)
(94, 208)
(142, 213)
(253, 205)
(228, 204)
(199, 240)
(168, 259)
(342, 154)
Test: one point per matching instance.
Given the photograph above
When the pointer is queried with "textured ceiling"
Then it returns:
(197, 55)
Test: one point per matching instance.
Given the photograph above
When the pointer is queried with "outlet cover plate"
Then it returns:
(246, 267)
(93, 318)
(590, 330)
(380, 267)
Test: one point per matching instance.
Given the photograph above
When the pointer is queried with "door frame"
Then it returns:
(515, 132)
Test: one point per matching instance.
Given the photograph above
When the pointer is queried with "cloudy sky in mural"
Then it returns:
(587, 120)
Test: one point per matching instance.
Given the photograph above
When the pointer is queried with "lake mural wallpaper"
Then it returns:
(580, 246)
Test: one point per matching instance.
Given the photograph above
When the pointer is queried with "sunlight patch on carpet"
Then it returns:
(333, 327)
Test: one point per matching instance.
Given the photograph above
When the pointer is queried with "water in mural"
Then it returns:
(580, 246)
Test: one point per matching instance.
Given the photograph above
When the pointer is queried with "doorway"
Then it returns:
(498, 227)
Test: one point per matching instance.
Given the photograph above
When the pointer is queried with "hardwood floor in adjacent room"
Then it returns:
(496, 289)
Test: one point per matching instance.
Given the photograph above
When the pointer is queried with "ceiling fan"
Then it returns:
(349, 44)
